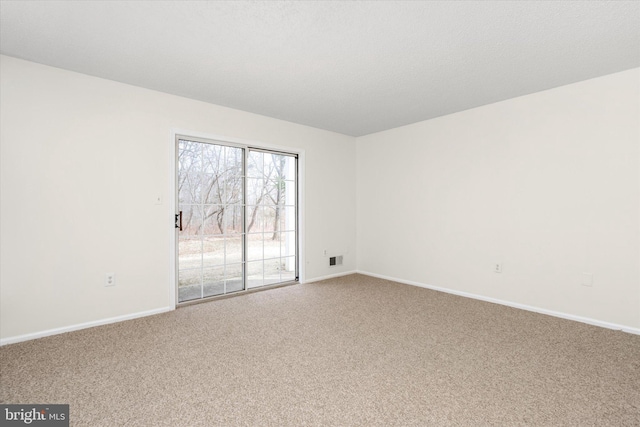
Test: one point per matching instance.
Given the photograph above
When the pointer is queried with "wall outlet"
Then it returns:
(324, 252)
(587, 279)
(110, 279)
(497, 267)
(158, 200)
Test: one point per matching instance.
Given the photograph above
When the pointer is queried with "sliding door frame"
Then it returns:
(173, 205)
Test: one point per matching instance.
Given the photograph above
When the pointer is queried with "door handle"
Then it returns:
(178, 223)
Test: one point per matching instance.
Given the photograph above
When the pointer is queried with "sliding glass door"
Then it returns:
(237, 219)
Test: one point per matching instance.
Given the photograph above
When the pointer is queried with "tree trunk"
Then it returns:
(255, 211)
(220, 220)
(276, 223)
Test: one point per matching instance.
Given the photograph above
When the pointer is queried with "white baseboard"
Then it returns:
(587, 320)
(330, 276)
(56, 331)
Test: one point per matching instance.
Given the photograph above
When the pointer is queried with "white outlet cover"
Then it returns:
(587, 279)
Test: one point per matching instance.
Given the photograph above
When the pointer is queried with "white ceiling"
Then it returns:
(350, 67)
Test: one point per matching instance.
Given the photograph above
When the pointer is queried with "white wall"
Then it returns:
(82, 162)
(547, 184)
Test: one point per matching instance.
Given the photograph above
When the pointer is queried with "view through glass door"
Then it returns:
(237, 221)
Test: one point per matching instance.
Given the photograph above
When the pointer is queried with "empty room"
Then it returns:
(346, 213)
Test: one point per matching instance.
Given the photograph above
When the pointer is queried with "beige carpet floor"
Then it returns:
(352, 351)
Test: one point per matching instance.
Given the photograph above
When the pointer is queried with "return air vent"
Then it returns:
(335, 260)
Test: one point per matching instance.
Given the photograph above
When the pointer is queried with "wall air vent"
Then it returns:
(335, 260)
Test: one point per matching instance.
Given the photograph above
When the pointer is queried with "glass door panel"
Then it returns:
(210, 196)
(272, 209)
